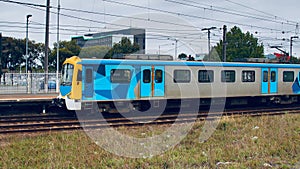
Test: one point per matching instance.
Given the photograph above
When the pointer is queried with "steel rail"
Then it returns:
(36, 123)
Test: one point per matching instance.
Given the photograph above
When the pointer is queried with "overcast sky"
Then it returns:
(166, 21)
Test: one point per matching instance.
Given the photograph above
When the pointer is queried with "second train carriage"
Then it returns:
(133, 83)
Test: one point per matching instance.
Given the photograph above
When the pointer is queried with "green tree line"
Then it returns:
(239, 45)
(13, 53)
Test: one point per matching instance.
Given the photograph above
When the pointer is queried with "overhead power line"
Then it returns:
(184, 33)
(181, 34)
(24, 3)
(113, 24)
(266, 13)
(137, 6)
(122, 16)
(97, 13)
(188, 15)
(227, 12)
(227, 9)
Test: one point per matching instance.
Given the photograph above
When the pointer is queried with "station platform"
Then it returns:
(26, 103)
(5, 98)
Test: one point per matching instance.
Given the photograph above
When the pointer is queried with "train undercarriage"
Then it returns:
(185, 104)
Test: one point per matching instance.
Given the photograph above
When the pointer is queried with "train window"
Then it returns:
(158, 76)
(273, 76)
(248, 76)
(89, 75)
(288, 76)
(67, 74)
(228, 76)
(79, 75)
(205, 76)
(265, 76)
(182, 76)
(146, 76)
(120, 75)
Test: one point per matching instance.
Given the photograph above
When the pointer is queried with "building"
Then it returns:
(110, 38)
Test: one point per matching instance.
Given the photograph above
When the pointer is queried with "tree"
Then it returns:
(214, 56)
(13, 53)
(123, 47)
(66, 49)
(182, 56)
(241, 45)
(295, 60)
(94, 52)
(36, 55)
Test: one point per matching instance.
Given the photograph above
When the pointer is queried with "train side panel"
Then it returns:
(246, 84)
(217, 87)
(288, 82)
(109, 82)
(125, 82)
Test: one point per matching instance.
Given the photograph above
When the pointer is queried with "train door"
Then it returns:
(269, 83)
(159, 81)
(88, 82)
(146, 81)
(152, 81)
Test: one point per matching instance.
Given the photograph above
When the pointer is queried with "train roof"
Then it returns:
(184, 63)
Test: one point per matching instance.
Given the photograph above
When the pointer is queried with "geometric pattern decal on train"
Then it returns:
(296, 86)
(64, 90)
(118, 92)
(105, 94)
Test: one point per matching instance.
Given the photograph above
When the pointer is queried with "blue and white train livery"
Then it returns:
(134, 84)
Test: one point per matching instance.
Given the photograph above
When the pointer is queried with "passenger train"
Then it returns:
(142, 84)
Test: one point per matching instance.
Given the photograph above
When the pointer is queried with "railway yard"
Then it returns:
(163, 84)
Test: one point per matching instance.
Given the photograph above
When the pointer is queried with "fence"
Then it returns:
(27, 83)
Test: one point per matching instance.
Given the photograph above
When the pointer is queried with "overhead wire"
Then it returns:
(227, 12)
(137, 6)
(132, 5)
(223, 8)
(38, 6)
(119, 25)
(85, 19)
(266, 13)
(188, 15)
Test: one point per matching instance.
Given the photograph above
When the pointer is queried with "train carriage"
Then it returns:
(137, 84)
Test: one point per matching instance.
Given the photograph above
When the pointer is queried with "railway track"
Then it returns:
(46, 123)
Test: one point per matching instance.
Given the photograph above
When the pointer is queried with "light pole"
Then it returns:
(163, 45)
(176, 41)
(208, 31)
(26, 54)
(291, 45)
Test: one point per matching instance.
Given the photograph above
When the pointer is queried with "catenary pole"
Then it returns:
(57, 47)
(46, 46)
(224, 43)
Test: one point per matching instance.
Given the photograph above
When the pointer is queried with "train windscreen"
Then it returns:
(67, 74)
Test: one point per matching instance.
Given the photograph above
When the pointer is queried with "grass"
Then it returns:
(246, 142)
